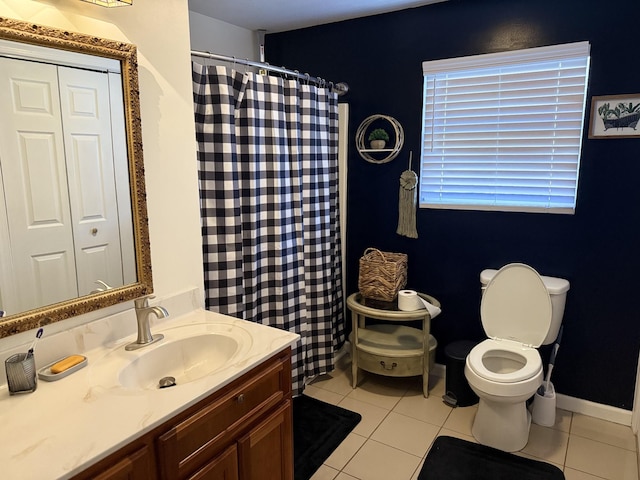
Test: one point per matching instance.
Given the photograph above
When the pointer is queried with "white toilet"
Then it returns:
(520, 310)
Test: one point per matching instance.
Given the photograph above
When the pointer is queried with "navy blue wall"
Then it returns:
(596, 249)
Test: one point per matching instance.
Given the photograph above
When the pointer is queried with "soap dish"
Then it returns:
(45, 372)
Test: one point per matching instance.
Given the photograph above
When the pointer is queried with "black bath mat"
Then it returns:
(455, 459)
(318, 429)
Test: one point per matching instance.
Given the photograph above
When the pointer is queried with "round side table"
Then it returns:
(389, 348)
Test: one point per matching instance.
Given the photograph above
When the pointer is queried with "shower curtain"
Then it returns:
(268, 175)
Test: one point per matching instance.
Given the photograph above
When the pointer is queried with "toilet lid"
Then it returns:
(516, 306)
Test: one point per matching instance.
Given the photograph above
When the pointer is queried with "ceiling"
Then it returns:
(282, 15)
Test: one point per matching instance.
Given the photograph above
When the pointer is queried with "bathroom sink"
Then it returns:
(187, 353)
(185, 360)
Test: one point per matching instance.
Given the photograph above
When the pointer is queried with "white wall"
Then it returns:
(161, 33)
(216, 36)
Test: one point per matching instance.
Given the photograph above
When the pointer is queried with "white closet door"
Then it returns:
(36, 202)
(87, 137)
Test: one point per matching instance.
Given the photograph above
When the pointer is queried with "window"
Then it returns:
(503, 131)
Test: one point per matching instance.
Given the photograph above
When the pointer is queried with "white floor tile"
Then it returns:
(372, 415)
(603, 431)
(461, 419)
(451, 433)
(338, 381)
(376, 461)
(406, 434)
(325, 473)
(601, 459)
(378, 392)
(547, 444)
(323, 395)
(431, 410)
(563, 420)
(418, 470)
(571, 474)
(345, 451)
(344, 476)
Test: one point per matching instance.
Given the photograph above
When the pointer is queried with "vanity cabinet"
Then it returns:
(253, 415)
(243, 432)
(265, 452)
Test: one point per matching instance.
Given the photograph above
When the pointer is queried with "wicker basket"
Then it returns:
(382, 274)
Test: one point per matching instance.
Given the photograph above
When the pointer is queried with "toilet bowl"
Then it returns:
(518, 315)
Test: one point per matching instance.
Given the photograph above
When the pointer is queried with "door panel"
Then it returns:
(36, 196)
(92, 189)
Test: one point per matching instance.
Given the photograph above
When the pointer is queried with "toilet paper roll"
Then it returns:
(409, 301)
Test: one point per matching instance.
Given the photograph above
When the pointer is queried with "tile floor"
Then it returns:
(399, 425)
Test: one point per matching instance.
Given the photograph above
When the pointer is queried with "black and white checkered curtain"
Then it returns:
(268, 172)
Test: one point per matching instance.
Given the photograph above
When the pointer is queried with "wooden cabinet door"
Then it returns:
(223, 467)
(266, 452)
(136, 466)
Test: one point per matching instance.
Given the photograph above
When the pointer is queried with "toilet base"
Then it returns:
(504, 426)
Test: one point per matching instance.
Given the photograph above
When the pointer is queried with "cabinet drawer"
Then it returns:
(198, 438)
(390, 366)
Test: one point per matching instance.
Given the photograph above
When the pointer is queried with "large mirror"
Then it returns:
(73, 218)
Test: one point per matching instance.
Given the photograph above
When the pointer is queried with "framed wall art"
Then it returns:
(615, 116)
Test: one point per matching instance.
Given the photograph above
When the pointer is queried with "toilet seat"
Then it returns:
(530, 356)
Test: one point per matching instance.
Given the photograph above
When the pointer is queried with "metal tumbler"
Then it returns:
(21, 373)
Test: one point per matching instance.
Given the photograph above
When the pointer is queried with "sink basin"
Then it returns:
(186, 360)
(187, 353)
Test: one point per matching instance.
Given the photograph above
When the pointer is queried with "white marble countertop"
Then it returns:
(67, 425)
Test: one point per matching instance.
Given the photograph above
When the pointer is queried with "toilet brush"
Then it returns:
(543, 411)
(552, 360)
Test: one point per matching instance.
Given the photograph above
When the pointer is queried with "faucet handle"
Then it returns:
(143, 302)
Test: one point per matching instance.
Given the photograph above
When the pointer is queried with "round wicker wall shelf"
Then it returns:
(382, 155)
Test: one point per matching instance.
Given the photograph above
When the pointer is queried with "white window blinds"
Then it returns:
(503, 131)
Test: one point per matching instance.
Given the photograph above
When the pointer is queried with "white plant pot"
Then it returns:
(378, 144)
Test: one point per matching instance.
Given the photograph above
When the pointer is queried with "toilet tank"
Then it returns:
(557, 288)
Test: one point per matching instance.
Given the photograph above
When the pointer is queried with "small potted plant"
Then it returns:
(378, 138)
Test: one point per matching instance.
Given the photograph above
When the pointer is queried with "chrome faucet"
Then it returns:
(143, 310)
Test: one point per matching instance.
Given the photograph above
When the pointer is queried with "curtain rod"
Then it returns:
(340, 88)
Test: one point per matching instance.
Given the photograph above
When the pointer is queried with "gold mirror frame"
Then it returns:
(126, 53)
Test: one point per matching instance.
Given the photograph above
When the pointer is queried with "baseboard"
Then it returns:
(592, 409)
(577, 405)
